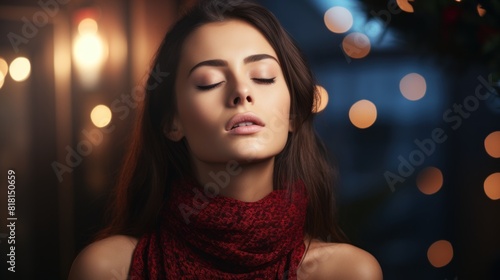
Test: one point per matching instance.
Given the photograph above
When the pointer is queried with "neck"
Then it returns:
(245, 182)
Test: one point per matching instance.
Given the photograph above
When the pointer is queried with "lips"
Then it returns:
(246, 122)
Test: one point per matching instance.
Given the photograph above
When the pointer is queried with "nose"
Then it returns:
(240, 94)
(239, 99)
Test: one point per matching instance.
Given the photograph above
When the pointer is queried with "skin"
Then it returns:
(201, 119)
(241, 86)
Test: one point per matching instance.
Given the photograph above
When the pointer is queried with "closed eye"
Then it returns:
(209, 87)
(264, 81)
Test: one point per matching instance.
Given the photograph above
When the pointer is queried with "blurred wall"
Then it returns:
(65, 167)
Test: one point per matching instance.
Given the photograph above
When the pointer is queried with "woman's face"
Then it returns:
(232, 99)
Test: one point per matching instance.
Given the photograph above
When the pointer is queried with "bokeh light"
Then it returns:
(480, 10)
(363, 114)
(413, 86)
(405, 5)
(2, 79)
(20, 69)
(430, 180)
(356, 45)
(87, 25)
(4, 67)
(440, 253)
(492, 144)
(338, 19)
(89, 50)
(101, 115)
(321, 99)
(492, 186)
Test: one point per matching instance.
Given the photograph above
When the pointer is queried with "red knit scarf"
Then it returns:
(224, 238)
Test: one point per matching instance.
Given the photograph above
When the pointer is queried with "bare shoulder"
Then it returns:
(108, 258)
(338, 261)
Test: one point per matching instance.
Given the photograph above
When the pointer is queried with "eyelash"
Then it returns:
(257, 80)
(265, 81)
(209, 87)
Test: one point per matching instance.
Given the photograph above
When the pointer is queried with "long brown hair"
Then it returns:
(153, 161)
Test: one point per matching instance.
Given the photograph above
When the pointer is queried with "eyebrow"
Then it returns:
(223, 63)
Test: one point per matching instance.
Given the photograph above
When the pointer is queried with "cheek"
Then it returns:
(279, 109)
(198, 115)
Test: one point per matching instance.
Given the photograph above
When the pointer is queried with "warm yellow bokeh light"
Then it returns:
(430, 180)
(20, 69)
(2, 79)
(320, 100)
(363, 114)
(101, 115)
(87, 25)
(4, 67)
(405, 5)
(89, 51)
(440, 253)
(492, 144)
(356, 45)
(492, 186)
(413, 86)
(338, 19)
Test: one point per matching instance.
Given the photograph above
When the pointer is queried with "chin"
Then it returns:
(242, 160)
(258, 147)
(254, 156)
(246, 152)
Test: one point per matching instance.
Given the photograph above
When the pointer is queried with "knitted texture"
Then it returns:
(223, 238)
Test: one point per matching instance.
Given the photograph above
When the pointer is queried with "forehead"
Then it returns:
(226, 40)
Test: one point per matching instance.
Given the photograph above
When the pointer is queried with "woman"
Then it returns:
(226, 178)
